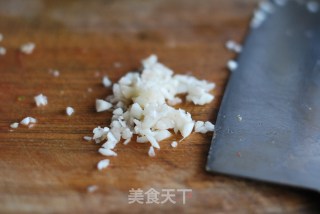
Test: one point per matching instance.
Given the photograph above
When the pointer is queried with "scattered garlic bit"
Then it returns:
(69, 111)
(54, 72)
(258, 18)
(239, 118)
(118, 112)
(280, 2)
(14, 125)
(107, 152)
(92, 188)
(103, 164)
(127, 141)
(313, 6)
(100, 134)
(1, 37)
(209, 126)
(28, 120)
(140, 101)
(87, 138)
(89, 90)
(27, 48)
(266, 6)
(102, 105)
(199, 126)
(3, 51)
(204, 127)
(41, 100)
(233, 46)
(260, 15)
(151, 152)
(232, 65)
(174, 144)
(174, 101)
(106, 82)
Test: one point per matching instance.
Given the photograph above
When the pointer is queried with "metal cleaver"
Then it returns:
(268, 126)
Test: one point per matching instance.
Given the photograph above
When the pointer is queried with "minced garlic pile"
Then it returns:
(142, 105)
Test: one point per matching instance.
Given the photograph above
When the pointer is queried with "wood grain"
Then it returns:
(47, 169)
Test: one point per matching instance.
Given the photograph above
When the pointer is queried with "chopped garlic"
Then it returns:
(54, 72)
(118, 112)
(141, 107)
(174, 144)
(3, 51)
(103, 164)
(102, 105)
(26, 121)
(259, 16)
(204, 127)
(127, 141)
(14, 125)
(232, 65)
(280, 2)
(100, 134)
(41, 100)
(266, 6)
(233, 46)
(209, 126)
(198, 126)
(87, 138)
(69, 111)
(313, 6)
(107, 152)
(151, 152)
(27, 48)
(92, 188)
(174, 101)
(106, 81)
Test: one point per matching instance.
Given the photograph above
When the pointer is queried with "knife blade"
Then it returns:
(268, 126)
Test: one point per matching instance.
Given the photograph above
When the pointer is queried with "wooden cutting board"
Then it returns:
(47, 169)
